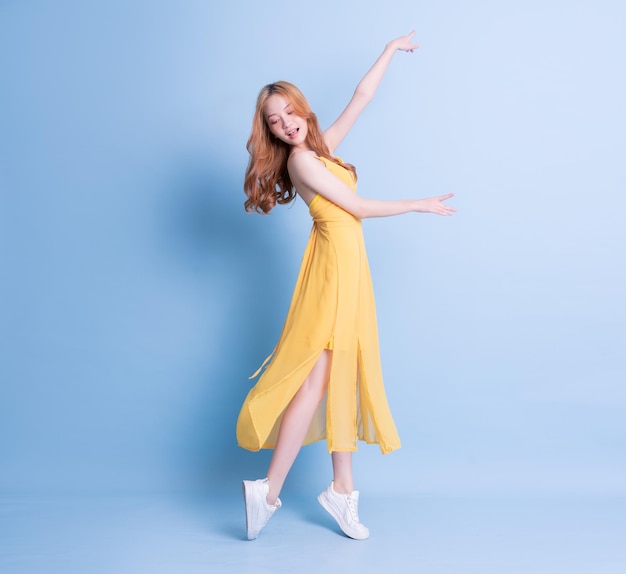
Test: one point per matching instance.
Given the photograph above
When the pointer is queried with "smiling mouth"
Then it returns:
(293, 133)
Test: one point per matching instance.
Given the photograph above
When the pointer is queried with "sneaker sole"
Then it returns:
(245, 503)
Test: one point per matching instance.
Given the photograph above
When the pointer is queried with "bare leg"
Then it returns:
(342, 472)
(296, 422)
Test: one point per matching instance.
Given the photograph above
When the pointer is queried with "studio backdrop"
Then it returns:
(138, 297)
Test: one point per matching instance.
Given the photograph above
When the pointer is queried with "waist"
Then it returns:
(343, 222)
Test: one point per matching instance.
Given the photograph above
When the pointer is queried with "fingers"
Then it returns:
(409, 37)
(404, 42)
(446, 212)
(445, 209)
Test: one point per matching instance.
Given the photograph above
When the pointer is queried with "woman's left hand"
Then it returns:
(404, 43)
(435, 205)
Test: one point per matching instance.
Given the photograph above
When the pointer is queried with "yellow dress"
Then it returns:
(332, 307)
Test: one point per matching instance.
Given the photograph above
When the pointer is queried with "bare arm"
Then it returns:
(311, 177)
(365, 91)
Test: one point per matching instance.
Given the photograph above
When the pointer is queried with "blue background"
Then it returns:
(137, 296)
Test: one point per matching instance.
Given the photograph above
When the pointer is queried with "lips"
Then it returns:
(293, 133)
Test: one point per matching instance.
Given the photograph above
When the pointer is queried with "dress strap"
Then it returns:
(256, 373)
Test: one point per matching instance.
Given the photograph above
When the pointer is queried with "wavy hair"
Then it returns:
(267, 180)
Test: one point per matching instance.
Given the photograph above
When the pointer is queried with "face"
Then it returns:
(284, 123)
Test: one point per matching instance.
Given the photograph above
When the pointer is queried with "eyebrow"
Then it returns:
(270, 115)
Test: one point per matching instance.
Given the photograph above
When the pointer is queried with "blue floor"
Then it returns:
(430, 534)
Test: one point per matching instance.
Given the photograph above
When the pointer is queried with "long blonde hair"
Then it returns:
(267, 180)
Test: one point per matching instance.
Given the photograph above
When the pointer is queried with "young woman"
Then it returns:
(324, 380)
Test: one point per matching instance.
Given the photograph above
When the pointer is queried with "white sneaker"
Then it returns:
(344, 508)
(258, 511)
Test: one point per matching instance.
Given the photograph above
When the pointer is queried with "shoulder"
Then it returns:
(306, 168)
(302, 159)
(303, 164)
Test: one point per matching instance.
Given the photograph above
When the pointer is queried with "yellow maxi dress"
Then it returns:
(332, 307)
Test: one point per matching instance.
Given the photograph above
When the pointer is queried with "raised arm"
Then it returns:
(311, 177)
(365, 91)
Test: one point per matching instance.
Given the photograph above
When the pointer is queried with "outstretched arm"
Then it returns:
(365, 91)
(311, 177)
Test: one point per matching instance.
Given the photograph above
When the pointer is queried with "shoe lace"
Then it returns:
(352, 508)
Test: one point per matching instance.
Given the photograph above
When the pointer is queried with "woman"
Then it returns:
(324, 379)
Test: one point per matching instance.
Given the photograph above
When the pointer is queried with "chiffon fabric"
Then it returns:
(333, 308)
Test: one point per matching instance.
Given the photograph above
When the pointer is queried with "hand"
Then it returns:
(404, 43)
(435, 205)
